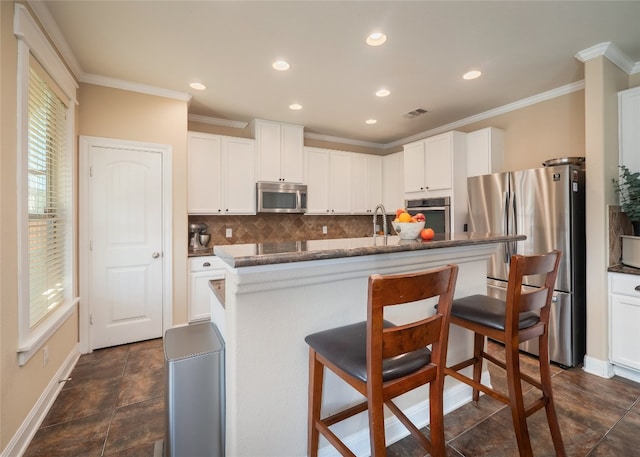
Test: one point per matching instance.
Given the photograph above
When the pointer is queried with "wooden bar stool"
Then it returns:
(524, 316)
(381, 360)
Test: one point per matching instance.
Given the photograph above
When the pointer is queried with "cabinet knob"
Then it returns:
(155, 255)
(638, 288)
(206, 264)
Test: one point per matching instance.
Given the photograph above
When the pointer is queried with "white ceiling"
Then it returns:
(522, 48)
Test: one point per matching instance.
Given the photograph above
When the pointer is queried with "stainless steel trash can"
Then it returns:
(194, 400)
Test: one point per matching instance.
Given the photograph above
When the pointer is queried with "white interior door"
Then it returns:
(125, 242)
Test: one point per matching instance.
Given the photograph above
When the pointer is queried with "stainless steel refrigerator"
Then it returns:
(548, 206)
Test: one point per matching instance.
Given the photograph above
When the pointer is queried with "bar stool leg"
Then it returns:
(514, 383)
(550, 408)
(478, 347)
(316, 378)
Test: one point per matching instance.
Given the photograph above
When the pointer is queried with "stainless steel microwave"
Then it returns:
(280, 197)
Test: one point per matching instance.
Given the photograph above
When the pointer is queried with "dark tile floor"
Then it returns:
(114, 406)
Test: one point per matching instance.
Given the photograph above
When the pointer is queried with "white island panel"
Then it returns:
(269, 311)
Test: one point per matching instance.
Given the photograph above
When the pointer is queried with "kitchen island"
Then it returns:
(276, 294)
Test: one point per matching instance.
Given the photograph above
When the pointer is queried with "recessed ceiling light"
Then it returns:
(370, 121)
(198, 86)
(382, 93)
(376, 39)
(295, 106)
(281, 65)
(473, 74)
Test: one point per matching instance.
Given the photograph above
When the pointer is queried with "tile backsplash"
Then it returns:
(271, 228)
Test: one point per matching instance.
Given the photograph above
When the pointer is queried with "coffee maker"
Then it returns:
(194, 240)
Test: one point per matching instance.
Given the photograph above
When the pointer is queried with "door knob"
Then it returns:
(155, 255)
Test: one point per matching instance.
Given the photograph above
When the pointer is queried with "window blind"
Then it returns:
(48, 181)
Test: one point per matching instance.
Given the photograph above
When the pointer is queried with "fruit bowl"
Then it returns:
(408, 230)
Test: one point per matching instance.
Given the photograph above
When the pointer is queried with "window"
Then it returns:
(47, 188)
(46, 214)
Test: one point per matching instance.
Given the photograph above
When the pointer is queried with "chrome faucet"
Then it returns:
(384, 220)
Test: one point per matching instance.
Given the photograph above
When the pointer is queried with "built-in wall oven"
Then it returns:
(437, 212)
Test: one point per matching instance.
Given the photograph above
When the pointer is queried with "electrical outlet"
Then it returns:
(45, 356)
(324, 229)
(229, 233)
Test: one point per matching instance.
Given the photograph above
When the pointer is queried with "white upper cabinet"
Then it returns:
(366, 183)
(221, 174)
(204, 193)
(629, 128)
(429, 163)
(280, 151)
(392, 182)
(328, 181)
(485, 151)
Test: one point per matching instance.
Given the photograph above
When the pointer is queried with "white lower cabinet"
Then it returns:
(202, 270)
(624, 318)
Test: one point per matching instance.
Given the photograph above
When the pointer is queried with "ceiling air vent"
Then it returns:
(414, 113)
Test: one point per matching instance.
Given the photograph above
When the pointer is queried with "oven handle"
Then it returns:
(429, 208)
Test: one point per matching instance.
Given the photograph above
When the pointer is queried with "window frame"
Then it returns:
(32, 43)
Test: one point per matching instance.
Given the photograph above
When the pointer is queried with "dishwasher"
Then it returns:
(195, 391)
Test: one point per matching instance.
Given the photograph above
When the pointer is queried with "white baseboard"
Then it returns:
(18, 444)
(454, 397)
(628, 373)
(602, 368)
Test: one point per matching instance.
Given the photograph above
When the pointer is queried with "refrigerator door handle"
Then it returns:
(507, 245)
(514, 223)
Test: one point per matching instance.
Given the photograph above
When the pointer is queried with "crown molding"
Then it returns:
(134, 87)
(544, 96)
(217, 121)
(335, 139)
(52, 30)
(611, 52)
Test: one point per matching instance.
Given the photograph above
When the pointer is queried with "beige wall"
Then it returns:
(115, 113)
(603, 81)
(20, 387)
(546, 130)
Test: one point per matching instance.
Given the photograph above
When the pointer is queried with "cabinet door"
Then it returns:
(318, 179)
(204, 174)
(484, 151)
(392, 182)
(340, 183)
(199, 300)
(437, 162)
(240, 184)
(625, 338)
(292, 153)
(359, 187)
(374, 182)
(268, 144)
(414, 167)
(629, 133)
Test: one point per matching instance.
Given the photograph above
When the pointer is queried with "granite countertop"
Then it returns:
(624, 269)
(247, 255)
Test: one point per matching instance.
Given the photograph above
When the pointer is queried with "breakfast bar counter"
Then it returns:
(276, 294)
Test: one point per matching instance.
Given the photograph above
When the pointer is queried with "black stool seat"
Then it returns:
(346, 347)
(489, 311)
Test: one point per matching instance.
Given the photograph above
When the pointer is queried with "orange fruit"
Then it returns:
(399, 211)
(404, 217)
(427, 234)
